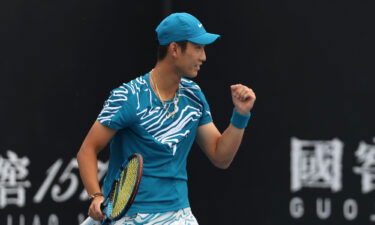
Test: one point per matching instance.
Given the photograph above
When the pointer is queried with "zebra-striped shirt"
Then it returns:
(144, 126)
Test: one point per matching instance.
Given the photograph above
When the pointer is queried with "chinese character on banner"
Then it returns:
(366, 156)
(13, 173)
(316, 164)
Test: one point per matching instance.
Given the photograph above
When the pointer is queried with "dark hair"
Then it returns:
(163, 49)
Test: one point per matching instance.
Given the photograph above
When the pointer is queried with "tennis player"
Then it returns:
(159, 115)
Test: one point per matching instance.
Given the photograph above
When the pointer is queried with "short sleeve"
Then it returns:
(206, 113)
(119, 110)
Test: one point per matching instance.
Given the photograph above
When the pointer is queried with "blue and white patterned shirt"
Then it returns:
(143, 126)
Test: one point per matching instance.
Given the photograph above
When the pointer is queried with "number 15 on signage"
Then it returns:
(68, 175)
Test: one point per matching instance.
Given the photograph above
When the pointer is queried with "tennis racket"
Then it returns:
(123, 191)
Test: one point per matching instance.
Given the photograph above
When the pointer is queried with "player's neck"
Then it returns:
(166, 79)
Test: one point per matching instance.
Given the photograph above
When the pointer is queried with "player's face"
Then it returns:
(191, 59)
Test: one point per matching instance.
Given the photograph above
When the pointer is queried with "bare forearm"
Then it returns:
(221, 148)
(88, 169)
(227, 146)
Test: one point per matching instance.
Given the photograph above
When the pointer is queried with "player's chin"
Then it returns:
(192, 74)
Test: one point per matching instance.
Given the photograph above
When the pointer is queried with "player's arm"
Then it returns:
(96, 139)
(221, 148)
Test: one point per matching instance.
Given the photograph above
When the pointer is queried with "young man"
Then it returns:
(159, 115)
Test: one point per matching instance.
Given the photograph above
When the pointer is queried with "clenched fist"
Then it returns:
(243, 98)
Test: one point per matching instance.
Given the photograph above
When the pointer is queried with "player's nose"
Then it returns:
(203, 56)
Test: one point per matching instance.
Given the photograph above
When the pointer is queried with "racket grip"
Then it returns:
(89, 221)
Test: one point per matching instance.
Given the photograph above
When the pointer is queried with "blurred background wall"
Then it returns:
(308, 155)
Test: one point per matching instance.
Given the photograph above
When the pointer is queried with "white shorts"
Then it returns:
(180, 217)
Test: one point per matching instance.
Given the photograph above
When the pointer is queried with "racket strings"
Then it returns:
(124, 189)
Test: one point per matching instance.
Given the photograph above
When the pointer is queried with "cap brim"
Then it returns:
(204, 39)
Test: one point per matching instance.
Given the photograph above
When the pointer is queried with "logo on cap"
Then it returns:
(200, 25)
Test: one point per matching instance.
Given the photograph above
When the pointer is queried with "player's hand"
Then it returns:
(243, 98)
(94, 210)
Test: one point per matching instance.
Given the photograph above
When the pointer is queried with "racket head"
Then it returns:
(125, 187)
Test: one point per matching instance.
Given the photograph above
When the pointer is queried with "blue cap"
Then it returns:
(183, 27)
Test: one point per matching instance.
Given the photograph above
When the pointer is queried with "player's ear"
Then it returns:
(173, 49)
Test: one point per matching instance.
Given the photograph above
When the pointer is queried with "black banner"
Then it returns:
(308, 155)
